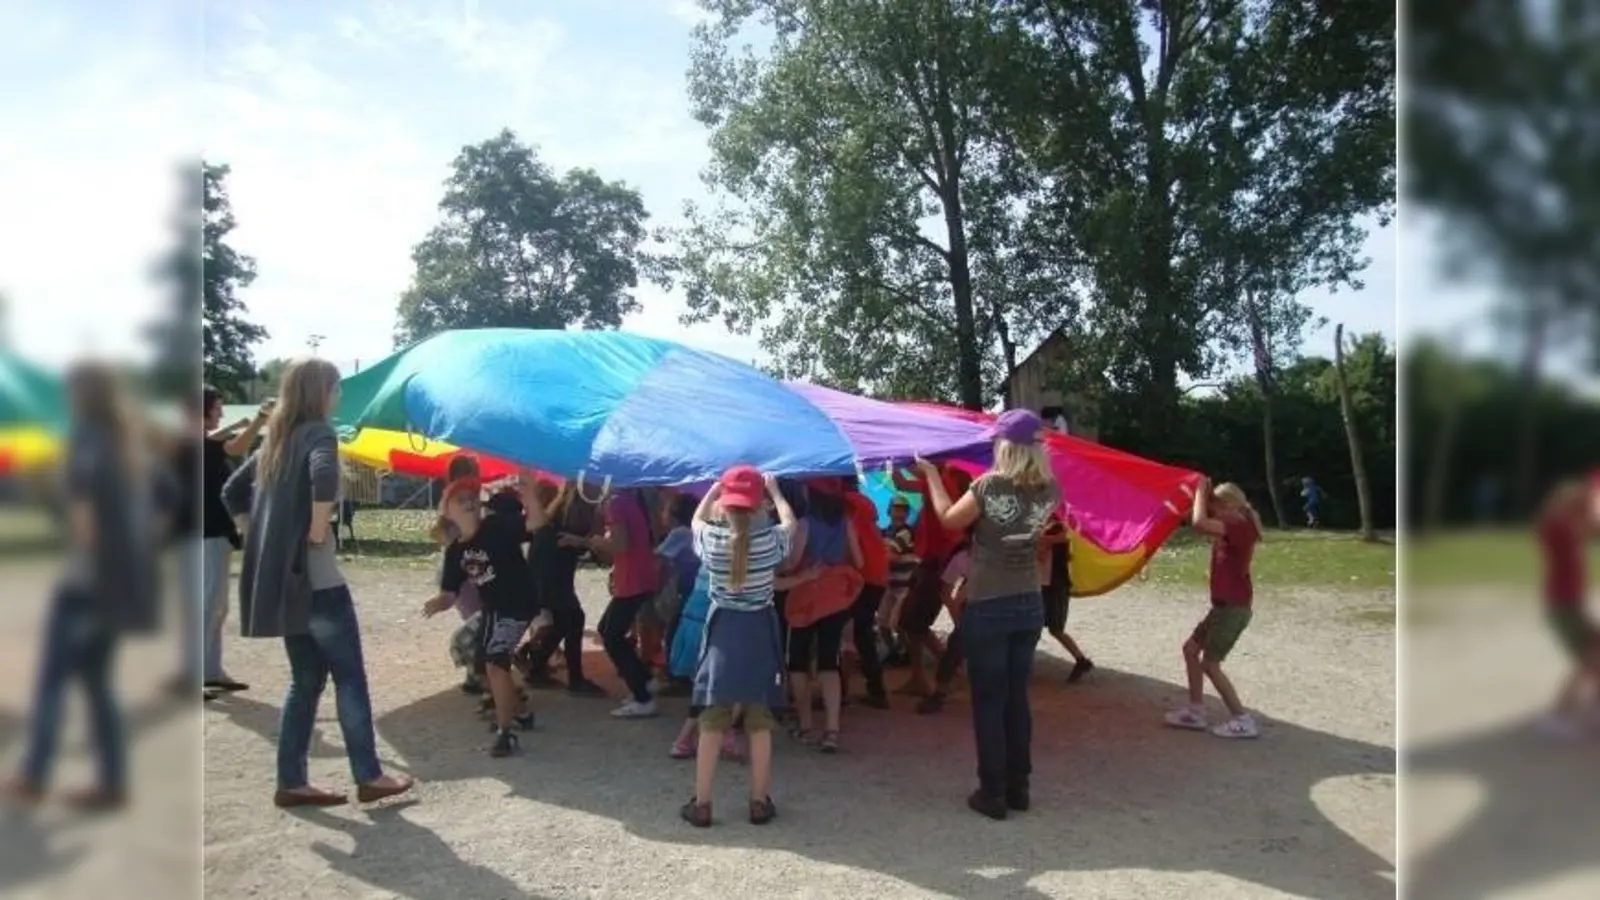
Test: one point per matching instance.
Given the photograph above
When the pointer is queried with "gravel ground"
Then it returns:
(1122, 806)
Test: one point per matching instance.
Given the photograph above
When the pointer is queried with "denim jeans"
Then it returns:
(76, 645)
(615, 623)
(332, 647)
(998, 637)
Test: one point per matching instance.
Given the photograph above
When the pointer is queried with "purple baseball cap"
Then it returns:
(1019, 426)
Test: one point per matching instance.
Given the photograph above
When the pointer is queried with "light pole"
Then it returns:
(314, 341)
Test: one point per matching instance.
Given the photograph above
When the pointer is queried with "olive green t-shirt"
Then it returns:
(1005, 538)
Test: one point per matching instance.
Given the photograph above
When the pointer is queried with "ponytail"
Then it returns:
(739, 552)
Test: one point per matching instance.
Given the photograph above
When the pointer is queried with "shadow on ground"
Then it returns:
(1536, 819)
(1113, 790)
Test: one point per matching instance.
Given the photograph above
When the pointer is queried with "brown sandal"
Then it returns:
(762, 811)
(374, 791)
(696, 814)
(307, 796)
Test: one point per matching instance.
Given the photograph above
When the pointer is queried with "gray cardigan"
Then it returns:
(275, 582)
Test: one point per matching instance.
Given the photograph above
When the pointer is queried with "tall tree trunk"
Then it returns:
(1444, 446)
(1347, 409)
(1269, 450)
(1008, 350)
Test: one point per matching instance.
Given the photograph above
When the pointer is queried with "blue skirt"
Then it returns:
(741, 660)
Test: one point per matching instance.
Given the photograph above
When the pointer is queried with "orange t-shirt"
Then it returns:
(874, 552)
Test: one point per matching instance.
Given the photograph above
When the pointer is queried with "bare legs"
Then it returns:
(1199, 668)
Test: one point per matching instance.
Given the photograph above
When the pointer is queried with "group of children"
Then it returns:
(681, 567)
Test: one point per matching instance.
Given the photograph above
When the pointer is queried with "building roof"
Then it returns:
(1059, 336)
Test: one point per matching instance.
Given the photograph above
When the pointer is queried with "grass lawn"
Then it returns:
(1479, 557)
(1328, 559)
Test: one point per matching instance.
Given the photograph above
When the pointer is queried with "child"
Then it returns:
(443, 532)
(634, 580)
(679, 568)
(1057, 590)
(903, 562)
(954, 586)
(555, 570)
(1235, 529)
(740, 660)
(487, 552)
(1563, 525)
(1311, 496)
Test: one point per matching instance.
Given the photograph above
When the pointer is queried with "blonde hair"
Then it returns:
(739, 551)
(307, 385)
(99, 398)
(1025, 465)
(1568, 494)
(1234, 497)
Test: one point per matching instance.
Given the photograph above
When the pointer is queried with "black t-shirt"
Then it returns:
(1060, 579)
(215, 469)
(492, 559)
(555, 568)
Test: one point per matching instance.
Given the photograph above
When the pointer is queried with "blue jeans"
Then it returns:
(76, 645)
(332, 647)
(998, 637)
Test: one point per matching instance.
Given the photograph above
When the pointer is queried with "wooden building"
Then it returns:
(1039, 383)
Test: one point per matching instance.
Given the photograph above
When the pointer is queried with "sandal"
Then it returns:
(762, 811)
(696, 814)
(830, 742)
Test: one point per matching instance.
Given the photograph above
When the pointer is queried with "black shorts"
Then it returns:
(501, 637)
(1057, 601)
(925, 601)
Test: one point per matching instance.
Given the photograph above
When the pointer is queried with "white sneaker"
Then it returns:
(633, 709)
(1190, 717)
(1238, 727)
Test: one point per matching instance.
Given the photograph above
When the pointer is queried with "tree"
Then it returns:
(519, 247)
(226, 336)
(1231, 154)
(175, 338)
(1352, 434)
(867, 205)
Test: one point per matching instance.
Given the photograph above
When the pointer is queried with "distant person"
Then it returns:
(1565, 523)
(1311, 498)
(1226, 515)
(291, 589)
(902, 543)
(1007, 510)
(1486, 499)
(108, 588)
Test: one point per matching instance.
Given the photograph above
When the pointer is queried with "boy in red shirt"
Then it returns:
(1227, 516)
(935, 545)
(1566, 522)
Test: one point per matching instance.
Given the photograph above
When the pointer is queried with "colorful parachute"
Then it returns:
(32, 415)
(622, 409)
(1120, 508)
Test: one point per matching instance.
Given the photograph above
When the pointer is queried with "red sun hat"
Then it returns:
(743, 487)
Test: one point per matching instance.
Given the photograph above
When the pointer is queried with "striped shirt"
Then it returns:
(769, 544)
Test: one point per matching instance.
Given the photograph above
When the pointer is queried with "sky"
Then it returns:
(339, 120)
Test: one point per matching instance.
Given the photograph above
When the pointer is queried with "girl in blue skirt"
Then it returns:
(740, 658)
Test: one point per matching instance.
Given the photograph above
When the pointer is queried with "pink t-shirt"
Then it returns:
(634, 571)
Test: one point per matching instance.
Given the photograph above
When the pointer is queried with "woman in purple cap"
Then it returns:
(1007, 510)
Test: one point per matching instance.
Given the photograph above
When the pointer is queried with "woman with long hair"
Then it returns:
(115, 525)
(291, 588)
(1007, 510)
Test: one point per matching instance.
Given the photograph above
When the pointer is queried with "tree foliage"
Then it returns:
(226, 334)
(1503, 139)
(519, 246)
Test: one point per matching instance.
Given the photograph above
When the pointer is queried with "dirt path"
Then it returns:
(1123, 807)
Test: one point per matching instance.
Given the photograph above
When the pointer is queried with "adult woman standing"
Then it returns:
(207, 554)
(1007, 509)
(291, 587)
(115, 524)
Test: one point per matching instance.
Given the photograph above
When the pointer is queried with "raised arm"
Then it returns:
(1202, 520)
(535, 514)
(240, 443)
